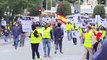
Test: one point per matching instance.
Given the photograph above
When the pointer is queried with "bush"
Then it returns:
(64, 8)
(99, 10)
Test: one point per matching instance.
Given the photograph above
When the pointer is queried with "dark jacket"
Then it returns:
(101, 54)
(58, 32)
(33, 26)
(16, 31)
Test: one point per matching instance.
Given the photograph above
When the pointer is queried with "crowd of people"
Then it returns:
(92, 37)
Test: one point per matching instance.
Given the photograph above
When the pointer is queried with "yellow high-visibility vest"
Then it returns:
(35, 40)
(8, 27)
(104, 34)
(88, 39)
(46, 33)
(68, 27)
(80, 31)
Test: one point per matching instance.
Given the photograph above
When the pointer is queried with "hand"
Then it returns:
(62, 36)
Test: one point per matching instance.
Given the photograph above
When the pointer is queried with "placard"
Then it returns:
(98, 18)
(26, 26)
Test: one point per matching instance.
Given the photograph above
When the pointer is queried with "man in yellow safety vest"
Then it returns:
(88, 43)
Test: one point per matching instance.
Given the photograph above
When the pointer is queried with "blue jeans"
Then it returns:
(46, 44)
(59, 43)
(6, 38)
(69, 35)
(16, 40)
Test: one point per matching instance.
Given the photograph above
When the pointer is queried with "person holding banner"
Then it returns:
(74, 35)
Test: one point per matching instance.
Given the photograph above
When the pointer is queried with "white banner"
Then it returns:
(98, 18)
(3, 22)
(26, 26)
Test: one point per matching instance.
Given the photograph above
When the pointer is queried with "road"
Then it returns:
(70, 51)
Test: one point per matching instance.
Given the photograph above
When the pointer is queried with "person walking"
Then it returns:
(6, 35)
(46, 39)
(74, 35)
(35, 39)
(22, 37)
(80, 35)
(88, 43)
(68, 29)
(16, 31)
(58, 34)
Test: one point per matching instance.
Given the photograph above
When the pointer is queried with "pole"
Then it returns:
(51, 6)
(79, 6)
(46, 5)
(106, 3)
(79, 2)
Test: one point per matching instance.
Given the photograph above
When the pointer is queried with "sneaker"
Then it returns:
(55, 52)
(40, 59)
(61, 52)
(49, 56)
(15, 48)
(45, 56)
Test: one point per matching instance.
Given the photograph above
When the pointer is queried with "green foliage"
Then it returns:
(71, 1)
(33, 6)
(14, 7)
(9, 8)
(102, 2)
(48, 2)
(64, 8)
(3, 4)
(75, 1)
(99, 10)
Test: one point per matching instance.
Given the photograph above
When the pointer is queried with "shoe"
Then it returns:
(15, 48)
(45, 56)
(55, 52)
(61, 52)
(49, 56)
(40, 59)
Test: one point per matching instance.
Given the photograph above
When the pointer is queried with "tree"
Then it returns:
(12, 7)
(64, 8)
(75, 1)
(33, 6)
(3, 4)
(48, 3)
(99, 10)
(102, 2)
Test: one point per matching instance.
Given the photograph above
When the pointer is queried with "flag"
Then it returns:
(61, 18)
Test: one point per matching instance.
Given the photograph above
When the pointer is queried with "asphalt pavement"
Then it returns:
(70, 51)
